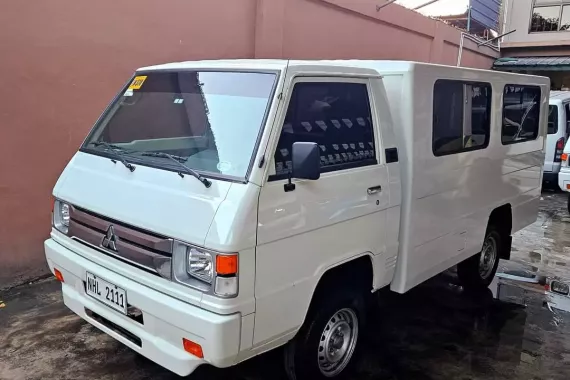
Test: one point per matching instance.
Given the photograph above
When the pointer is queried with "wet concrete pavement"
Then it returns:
(436, 331)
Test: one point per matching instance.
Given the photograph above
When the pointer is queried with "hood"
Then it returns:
(155, 200)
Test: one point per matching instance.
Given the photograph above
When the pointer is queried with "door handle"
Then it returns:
(374, 190)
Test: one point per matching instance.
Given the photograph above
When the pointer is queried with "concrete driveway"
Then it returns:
(433, 332)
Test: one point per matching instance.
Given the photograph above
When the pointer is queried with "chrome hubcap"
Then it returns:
(337, 342)
(488, 257)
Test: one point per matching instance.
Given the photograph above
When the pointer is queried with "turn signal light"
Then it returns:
(564, 157)
(193, 348)
(226, 264)
(58, 275)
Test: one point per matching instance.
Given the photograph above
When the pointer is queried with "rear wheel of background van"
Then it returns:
(326, 346)
(477, 272)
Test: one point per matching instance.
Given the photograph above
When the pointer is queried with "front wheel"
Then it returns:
(568, 203)
(478, 271)
(326, 345)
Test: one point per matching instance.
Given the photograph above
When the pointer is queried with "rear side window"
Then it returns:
(567, 118)
(521, 113)
(552, 120)
(461, 116)
(334, 115)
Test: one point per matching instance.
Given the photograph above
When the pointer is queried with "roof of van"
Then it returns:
(281, 64)
(559, 95)
(380, 66)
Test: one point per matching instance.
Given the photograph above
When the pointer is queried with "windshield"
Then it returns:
(209, 120)
(552, 120)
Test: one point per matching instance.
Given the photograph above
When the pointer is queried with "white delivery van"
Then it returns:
(221, 209)
(557, 133)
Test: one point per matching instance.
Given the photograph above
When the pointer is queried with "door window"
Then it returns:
(567, 119)
(334, 115)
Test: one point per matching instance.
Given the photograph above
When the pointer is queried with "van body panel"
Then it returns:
(450, 197)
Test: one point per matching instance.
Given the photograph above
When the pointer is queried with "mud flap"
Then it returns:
(507, 245)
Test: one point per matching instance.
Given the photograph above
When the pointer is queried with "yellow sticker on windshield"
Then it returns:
(137, 82)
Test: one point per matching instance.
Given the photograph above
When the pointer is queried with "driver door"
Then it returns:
(320, 223)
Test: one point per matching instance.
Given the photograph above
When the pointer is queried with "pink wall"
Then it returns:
(329, 29)
(62, 60)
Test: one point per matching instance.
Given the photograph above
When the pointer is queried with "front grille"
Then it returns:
(129, 244)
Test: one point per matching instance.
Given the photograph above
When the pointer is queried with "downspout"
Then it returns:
(474, 39)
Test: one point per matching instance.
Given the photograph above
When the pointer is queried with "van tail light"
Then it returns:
(559, 149)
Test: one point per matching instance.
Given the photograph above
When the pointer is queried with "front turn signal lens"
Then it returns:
(58, 275)
(226, 265)
(193, 348)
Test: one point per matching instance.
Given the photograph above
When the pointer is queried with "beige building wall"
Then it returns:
(517, 16)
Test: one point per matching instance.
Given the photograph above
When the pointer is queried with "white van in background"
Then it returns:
(558, 123)
(221, 209)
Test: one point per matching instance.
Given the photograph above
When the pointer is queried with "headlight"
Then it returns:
(200, 265)
(206, 270)
(61, 216)
(559, 287)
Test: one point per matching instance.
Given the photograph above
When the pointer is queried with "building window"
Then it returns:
(334, 115)
(521, 113)
(550, 16)
(461, 116)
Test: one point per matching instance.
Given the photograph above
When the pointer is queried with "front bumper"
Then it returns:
(165, 320)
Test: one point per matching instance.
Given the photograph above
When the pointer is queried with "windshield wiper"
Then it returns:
(118, 152)
(162, 155)
(185, 168)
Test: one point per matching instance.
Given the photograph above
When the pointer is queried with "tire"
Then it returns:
(344, 314)
(477, 272)
(568, 205)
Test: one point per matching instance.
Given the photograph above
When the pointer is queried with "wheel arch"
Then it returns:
(360, 270)
(502, 218)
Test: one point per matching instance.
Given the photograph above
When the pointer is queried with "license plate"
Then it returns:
(107, 293)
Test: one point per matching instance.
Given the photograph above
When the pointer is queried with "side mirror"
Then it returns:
(306, 160)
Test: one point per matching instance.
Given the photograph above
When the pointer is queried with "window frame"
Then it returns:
(561, 4)
(503, 113)
(377, 160)
(488, 134)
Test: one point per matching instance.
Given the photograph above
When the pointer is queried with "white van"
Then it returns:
(221, 209)
(557, 134)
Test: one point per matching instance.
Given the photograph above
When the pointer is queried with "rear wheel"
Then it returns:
(326, 345)
(478, 271)
(568, 203)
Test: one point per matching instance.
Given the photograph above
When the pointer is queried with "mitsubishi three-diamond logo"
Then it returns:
(110, 240)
